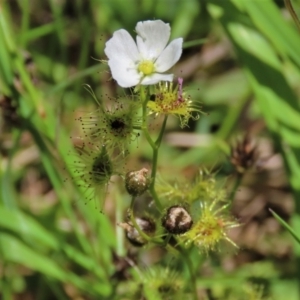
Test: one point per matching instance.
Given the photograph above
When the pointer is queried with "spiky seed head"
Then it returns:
(162, 283)
(211, 227)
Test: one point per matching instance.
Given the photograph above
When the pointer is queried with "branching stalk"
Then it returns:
(154, 145)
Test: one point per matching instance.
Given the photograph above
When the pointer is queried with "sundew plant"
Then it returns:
(149, 149)
(177, 219)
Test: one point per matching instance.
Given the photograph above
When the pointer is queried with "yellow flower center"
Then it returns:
(146, 67)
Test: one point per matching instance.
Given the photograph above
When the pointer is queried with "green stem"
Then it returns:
(155, 154)
(167, 239)
(144, 121)
(186, 257)
(120, 250)
(158, 141)
(136, 226)
(154, 145)
(158, 241)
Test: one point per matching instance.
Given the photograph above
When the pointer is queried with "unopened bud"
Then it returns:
(137, 182)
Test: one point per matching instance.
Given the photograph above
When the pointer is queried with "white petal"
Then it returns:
(169, 56)
(155, 78)
(152, 38)
(123, 57)
(125, 75)
(122, 45)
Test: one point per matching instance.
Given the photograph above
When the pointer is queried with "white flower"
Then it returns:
(143, 62)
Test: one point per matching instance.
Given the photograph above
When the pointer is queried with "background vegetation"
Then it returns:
(241, 61)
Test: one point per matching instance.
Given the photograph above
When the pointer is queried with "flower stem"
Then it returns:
(154, 145)
(186, 257)
(144, 100)
(134, 223)
(158, 141)
(137, 227)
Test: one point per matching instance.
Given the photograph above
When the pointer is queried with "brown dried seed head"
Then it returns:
(243, 154)
(177, 220)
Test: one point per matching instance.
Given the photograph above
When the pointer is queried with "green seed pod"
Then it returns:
(137, 182)
(177, 220)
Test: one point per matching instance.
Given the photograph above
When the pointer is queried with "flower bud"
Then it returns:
(177, 220)
(145, 224)
(137, 182)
